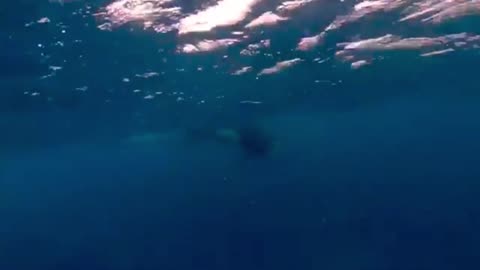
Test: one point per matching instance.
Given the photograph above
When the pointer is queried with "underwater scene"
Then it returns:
(240, 135)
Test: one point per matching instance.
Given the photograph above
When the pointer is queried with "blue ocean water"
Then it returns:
(377, 170)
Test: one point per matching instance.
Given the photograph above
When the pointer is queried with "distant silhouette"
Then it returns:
(255, 141)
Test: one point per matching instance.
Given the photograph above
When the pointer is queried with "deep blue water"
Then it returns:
(378, 172)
